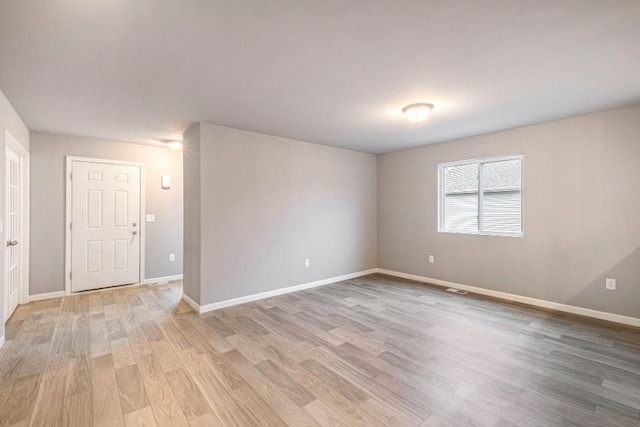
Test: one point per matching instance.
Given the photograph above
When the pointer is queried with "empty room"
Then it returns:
(320, 213)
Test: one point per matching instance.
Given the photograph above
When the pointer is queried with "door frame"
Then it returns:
(9, 141)
(69, 213)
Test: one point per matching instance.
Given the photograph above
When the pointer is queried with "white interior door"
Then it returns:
(105, 225)
(13, 214)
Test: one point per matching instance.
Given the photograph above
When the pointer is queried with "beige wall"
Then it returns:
(581, 213)
(268, 203)
(11, 121)
(164, 236)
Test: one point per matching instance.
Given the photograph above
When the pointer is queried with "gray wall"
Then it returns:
(11, 121)
(581, 213)
(48, 182)
(268, 203)
(192, 212)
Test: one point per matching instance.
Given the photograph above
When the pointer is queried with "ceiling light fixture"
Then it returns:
(417, 113)
(174, 145)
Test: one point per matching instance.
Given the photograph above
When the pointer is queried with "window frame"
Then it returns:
(479, 162)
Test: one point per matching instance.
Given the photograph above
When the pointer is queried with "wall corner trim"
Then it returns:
(262, 295)
(1, 341)
(565, 308)
(163, 279)
(49, 295)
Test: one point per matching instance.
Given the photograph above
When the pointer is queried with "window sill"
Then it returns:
(483, 233)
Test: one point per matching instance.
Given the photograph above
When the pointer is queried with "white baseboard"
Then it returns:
(191, 303)
(1, 341)
(49, 295)
(157, 280)
(151, 281)
(255, 297)
(602, 315)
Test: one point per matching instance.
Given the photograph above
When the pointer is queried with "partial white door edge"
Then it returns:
(68, 213)
(23, 154)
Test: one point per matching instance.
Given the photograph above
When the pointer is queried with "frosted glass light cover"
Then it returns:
(165, 182)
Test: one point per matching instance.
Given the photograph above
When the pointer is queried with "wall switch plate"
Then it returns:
(307, 262)
(172, 257)
(432, 259)
(151, 217)
(610, 284)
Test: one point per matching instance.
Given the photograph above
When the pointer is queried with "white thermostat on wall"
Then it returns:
(151, 217)
(165, 182)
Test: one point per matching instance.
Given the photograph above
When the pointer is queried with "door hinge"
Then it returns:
(71, 176)
(70, 226)
(70, 275)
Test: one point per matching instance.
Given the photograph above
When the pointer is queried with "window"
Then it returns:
(481, 196)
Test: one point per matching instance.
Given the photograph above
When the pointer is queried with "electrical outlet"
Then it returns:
(432, 259)
(307, 262)
(610, 284)
(172, 257)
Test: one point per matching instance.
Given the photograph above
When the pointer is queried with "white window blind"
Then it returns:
(482, 196)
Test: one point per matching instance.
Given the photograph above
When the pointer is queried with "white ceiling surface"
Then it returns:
(328, 71)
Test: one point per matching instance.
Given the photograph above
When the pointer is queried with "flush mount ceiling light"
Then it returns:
(417, 113)
(174, 145)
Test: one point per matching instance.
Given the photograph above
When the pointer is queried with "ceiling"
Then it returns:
(333, 72)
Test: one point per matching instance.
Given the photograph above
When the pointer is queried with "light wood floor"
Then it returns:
(373, 351)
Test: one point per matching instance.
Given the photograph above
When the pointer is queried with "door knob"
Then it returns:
(12, 242)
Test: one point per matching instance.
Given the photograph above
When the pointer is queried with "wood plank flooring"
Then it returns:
(373, 351)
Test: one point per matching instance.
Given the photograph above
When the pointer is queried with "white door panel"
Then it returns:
(105, 233)
(13, 214)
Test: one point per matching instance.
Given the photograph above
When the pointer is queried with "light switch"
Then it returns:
(151, 218)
